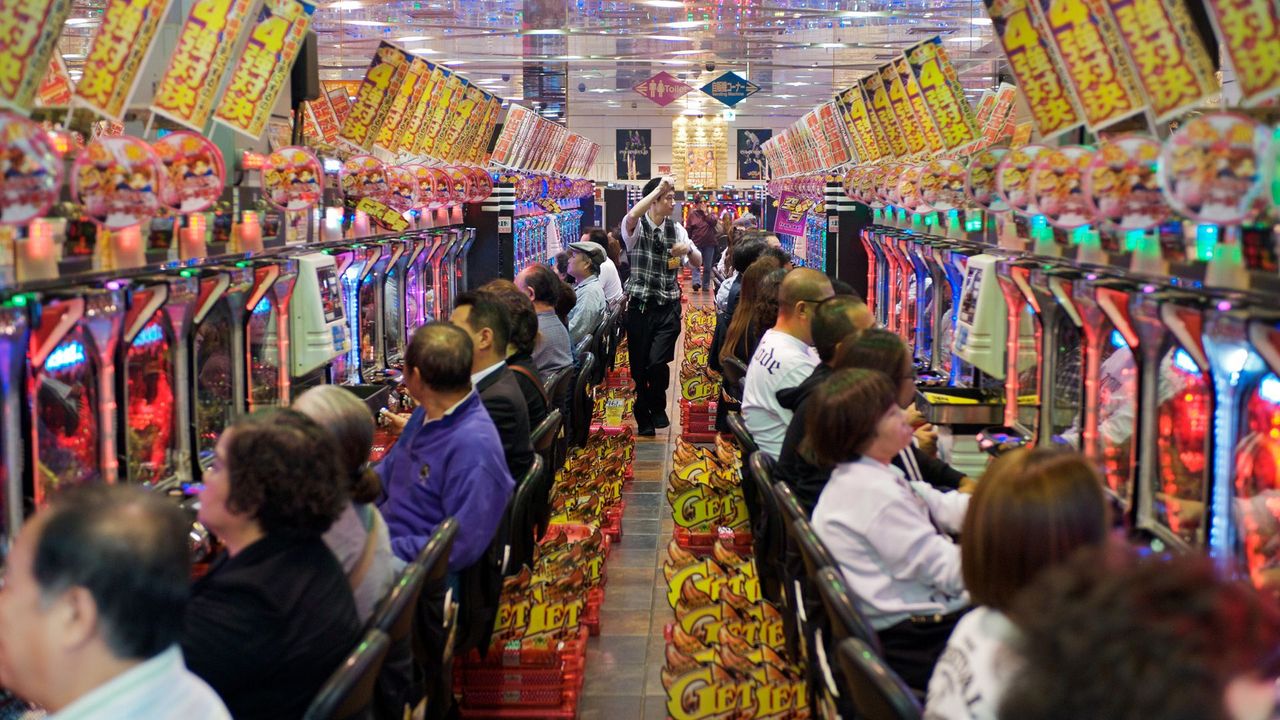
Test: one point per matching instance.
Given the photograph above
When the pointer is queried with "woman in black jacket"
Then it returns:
(274, 616)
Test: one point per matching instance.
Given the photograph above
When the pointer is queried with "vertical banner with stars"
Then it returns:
(187, 88)
(119, 49)
(29, 31)
(274, 42)
(1054, 107)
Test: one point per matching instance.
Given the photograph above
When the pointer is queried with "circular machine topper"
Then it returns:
(1211, 169)
(1013, 179)
(291, 179)
(461, 181)
(194, 173)
(482, 183)
(908, 190)
(850, 184)
(1121, 185)
(30, 171)
(1057, 182)
(117, 180)
(426, 185)
(942, 186)
(885, 185)
(364, 176)
(980, 180)
(444, 189)
(404, 188)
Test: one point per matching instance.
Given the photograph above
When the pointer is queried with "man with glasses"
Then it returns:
(784, 358)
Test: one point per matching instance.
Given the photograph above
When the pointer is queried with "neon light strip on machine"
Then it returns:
(67, 355)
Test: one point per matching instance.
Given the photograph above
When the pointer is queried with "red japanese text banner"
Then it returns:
(118, 52)
(29, 31)
(187, 89)
(259, 75)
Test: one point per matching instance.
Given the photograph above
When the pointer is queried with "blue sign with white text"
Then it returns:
(730, 89)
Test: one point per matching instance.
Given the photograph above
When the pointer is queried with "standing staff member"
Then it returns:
(657, 245)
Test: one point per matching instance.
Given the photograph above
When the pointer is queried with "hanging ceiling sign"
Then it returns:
(663, 89)
(730, 89)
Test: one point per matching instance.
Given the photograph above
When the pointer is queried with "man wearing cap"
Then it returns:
(585, 259)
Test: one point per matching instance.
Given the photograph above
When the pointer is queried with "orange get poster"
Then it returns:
(274, 42)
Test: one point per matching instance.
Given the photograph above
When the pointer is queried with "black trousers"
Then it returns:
(652, 331)
(912, 648)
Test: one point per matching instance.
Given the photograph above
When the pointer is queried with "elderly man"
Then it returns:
(585, 261)
(91, 610)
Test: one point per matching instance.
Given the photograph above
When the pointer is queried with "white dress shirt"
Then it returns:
(780, 362)
(610, 282)
(479, 375)
(887, 536)
(161, 688)
(973, 672)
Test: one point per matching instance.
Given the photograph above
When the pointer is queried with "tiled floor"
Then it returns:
(624, 663)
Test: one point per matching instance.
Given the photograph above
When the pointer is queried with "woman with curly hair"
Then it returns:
(1118, 636)
(274, 616)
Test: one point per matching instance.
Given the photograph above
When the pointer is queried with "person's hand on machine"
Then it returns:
(927, 439)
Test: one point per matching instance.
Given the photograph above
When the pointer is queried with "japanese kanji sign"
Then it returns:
(274, 42)
(30, 29)
(187, 89)
(381, 81)
(1054, 107)
(1249, 31)
(942, 92)
(730, 89)
(55, 90)
(1168, 53)
(121, 44)
(662, 89)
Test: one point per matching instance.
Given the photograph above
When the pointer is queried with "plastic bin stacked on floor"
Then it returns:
(706, 499)
(588, 489)
(725, 653)
(699, 387)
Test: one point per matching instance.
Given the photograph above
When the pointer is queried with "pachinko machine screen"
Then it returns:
(150, 417)
(1257, 485)
(1183, 418)
(67, 430)
(213, 355)
(1117, 414)
(263, 341)
(393, 325)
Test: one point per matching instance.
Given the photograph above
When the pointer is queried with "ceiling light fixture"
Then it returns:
(863, 14)
(980, 21)
(664, 3)
(545, 31)
(686, 52)
(423, 51)
(345, 5)
(831, 45)
(365, 23)
(685, 24)
(413, 38)
(453, 62)
(670, 38)
(81, 22)
(962, 38)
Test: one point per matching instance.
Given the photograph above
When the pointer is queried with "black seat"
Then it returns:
(797, 589)
(520, 531)
(846, 619)
(583, 406)
(430, 632)
(559, 391)
(348, 693)
(878, 693)
(544, 436)
(735, 373)
(619, 332)
(600, 345)
(768, 535)
(547, 440)
(434, 556)
(738, 427)
(583, 345)
(394, 616)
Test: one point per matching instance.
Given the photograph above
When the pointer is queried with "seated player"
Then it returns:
(520, 345)
(553, 351)
(585, 260)
(890, 537)
(91, 610)
(254, 629)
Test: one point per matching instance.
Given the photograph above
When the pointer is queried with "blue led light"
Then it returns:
(1269, 389)
(67, 355)
(264, 305)
(150, 335)
(1182, 360)
(1117, 340)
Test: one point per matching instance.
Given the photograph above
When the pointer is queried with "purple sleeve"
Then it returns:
(477, 502)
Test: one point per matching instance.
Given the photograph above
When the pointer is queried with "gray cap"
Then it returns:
(746, 221)
(595, 251)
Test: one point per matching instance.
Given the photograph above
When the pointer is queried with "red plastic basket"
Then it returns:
(701, 543)
(696, 437)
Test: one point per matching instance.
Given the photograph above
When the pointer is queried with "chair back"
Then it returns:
(543, 437)
(394, 612)
(348, 693)
(618, 331)
(520, 531)
(812, 549)
(738, 427)
(768, 533)
(582, 408)
(735, 374)
(878, 692)
(560, 390)
(843, 613)
(788, 505)
(558, 386)
(583, 345)
(434, 556)
(600, 346)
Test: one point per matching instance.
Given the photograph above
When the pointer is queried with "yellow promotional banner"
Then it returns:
(1054, 108)
(322, 115)
(118, 51)
(856, 117)
(187, 89)
(942, 93)
(474, 126)
(441, 104)
(912, 133)
(1168, 53)
(29, 31)
(259, 75)
(55, 90)
(464, 112)
(383, 215)
(339, 98)
(418, 110)
(932, 136)
(481, 144)
(376, 92)
(1249, 33)
(1083, 36)
(878, 101)
(409, 86)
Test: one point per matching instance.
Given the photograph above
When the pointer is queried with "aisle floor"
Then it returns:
(624, 664)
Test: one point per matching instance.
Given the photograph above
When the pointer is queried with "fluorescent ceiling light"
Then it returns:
(81, 22)
(832, 45)
(685, 24)
(863, 14)
(676, 62)
(487, 81)
(413, 38)
(664, 3)
(73, 56)
(980, 21)
(453, 62)
(365, 23)
(345, 5)
(686, 52)
(545, 31)
(568, 57)
(600, 90)
(963, 38)
(670, 38)
(798, 83)
(423, 51)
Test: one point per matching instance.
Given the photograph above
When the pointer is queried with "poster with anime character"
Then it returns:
(291, 178)
(117, 180)
(194, 173)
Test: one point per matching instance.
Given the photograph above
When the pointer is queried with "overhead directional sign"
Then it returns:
(662, 89)
(730, 89)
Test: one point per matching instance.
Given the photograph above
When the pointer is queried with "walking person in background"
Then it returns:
(702, 230)
(658, 245)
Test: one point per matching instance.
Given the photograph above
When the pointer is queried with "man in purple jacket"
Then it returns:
(448, 462)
